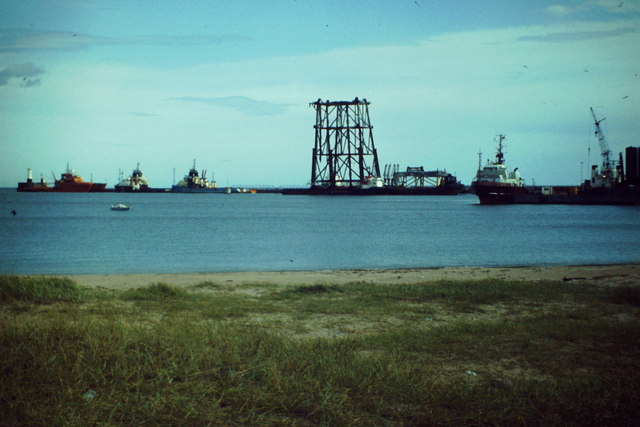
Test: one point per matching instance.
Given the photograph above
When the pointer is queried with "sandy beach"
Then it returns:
(627, 274)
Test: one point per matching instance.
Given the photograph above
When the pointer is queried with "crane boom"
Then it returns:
(604, 148)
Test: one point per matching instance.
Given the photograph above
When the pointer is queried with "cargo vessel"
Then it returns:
(194, 183)
(69, 182)
(495, 183)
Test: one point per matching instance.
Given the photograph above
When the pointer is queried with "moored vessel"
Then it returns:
(30, 185)
(69, 182)
(136, 183)
(615, 182)
(495, 183)
(195, 183)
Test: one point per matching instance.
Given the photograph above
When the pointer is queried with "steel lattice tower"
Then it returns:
(344, 153)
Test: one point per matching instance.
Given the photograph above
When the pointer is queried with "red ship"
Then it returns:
(68, 183)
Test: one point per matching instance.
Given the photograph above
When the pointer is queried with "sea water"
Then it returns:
(58, 233)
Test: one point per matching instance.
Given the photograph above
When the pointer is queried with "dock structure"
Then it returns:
(344, 154)
(416, 177)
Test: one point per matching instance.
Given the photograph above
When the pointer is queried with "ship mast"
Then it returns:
(500, 154)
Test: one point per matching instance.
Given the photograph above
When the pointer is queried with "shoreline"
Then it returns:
(617, 274)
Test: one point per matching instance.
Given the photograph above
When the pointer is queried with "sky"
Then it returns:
(103, 85)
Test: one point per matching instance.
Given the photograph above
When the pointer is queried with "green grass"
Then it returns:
(446, 353)
(39, 289)
(155, 292)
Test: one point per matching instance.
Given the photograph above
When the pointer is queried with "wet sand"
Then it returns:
(628, 274)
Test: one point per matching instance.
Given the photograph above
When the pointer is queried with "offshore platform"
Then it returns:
(345, 160)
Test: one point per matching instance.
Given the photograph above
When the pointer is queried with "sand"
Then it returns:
(628, 274)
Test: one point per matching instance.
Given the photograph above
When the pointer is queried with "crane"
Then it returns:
(612, 171)
(604, 148)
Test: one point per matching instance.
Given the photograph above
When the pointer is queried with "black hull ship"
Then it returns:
(615, 182)
(495, 183)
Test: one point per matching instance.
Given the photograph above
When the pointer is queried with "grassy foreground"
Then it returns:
(444, 353)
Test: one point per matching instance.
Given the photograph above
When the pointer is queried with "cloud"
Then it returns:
(21, 40)
(570, 36)
(143, 114)
(30, 83)
(21, 71)
(558, 10)
(614, 7)
(163, 40)
(239, 103)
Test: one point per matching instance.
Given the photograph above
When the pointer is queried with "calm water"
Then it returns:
(180, 233)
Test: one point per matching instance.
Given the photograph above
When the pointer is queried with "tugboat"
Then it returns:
(194, 183)
(136, 182)
(494, 183)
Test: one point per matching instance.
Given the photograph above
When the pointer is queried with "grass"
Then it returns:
(446, 353)
(38, 289)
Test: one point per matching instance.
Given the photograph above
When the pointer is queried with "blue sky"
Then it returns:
(103, 85)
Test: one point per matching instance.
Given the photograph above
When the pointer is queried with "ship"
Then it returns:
(136, 183)
(580, 195)
(30, 185)
(610, 184)
(495, 183)
(614, 182)
(194, 183)
(69, 182)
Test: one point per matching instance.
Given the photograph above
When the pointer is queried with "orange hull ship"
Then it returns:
(68, 183)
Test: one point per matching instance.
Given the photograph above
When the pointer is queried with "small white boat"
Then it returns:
(120, 207)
